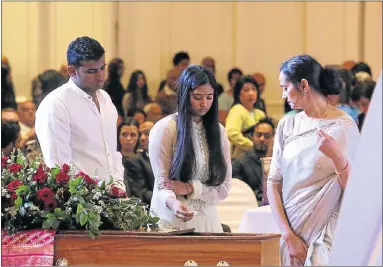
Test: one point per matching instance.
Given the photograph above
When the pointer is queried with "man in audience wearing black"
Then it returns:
(138, 172)
(249, 168)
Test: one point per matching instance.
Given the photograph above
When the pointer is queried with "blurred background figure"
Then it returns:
(45, 83)
(8, 98)
(136, 96)
(261, 81)
(113, 84)
(209, 63)
(10, 137)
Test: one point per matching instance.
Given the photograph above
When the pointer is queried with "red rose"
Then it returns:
(15, 168)
(62, 178)
(65, 168)
(40, 175)
(87, 178)
(50, 204)
(45, 194)
(14, 196)
(117, 192)
(12, 186)
(4, 161)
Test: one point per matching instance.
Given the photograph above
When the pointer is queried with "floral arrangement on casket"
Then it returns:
(35, 196)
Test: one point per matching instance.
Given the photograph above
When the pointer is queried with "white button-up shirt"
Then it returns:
(72, 130)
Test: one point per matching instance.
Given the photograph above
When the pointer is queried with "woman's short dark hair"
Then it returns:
(84, 48)
(10, 131)
(126, 122)
(325, 81)
(183, 160)
(239, 85)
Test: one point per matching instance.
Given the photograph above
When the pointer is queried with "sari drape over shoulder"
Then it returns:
(311, 192)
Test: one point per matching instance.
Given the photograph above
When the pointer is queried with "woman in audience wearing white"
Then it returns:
(311, 161)
(190, 156)
(243, 115)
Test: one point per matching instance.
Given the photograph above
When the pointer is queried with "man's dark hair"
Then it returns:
(233, 71)
(84, 48)
(179, 57)
(251, 130)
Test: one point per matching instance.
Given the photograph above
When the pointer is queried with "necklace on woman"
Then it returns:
(321, 119)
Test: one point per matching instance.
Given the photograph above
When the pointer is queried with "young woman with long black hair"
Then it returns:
(190, 156)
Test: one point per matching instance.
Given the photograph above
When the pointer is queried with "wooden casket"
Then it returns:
(120, 248)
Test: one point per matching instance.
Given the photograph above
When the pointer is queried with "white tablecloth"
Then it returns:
(259, 220)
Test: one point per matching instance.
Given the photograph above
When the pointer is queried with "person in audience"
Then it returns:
(8, 97)
(362, 76)
(249, 168)
(190, 156)
(310, 166)
(348, 65)
(64, 71)
(46, 83)
(367, 89)
(361, 67)
(140, 116)
(138, 172)
(113, 85)
(209, 63)
(76, 123)
(10, 137)
(27, 114)
(137, 92)
(9, 114)
(243, 115)
(181, 61)
(127, 133)
(226, 99)
(167, 98)
(153, 112)
(261, 81)
(343, 100)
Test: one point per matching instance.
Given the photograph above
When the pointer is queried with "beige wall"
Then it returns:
(255, 36)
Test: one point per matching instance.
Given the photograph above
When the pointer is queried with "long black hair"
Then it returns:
(132, 86)
(184, 156)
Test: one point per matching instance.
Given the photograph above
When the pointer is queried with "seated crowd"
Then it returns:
(242, 110)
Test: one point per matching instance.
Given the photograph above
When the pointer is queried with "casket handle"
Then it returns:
(222, 263)
(190, 263)
(62, 262)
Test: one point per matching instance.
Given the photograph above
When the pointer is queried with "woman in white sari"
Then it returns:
(190, 156)
(311, 160)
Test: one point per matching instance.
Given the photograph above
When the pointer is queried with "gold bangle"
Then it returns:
(342, 171)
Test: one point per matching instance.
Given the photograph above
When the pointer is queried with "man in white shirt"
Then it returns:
(76, 123)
